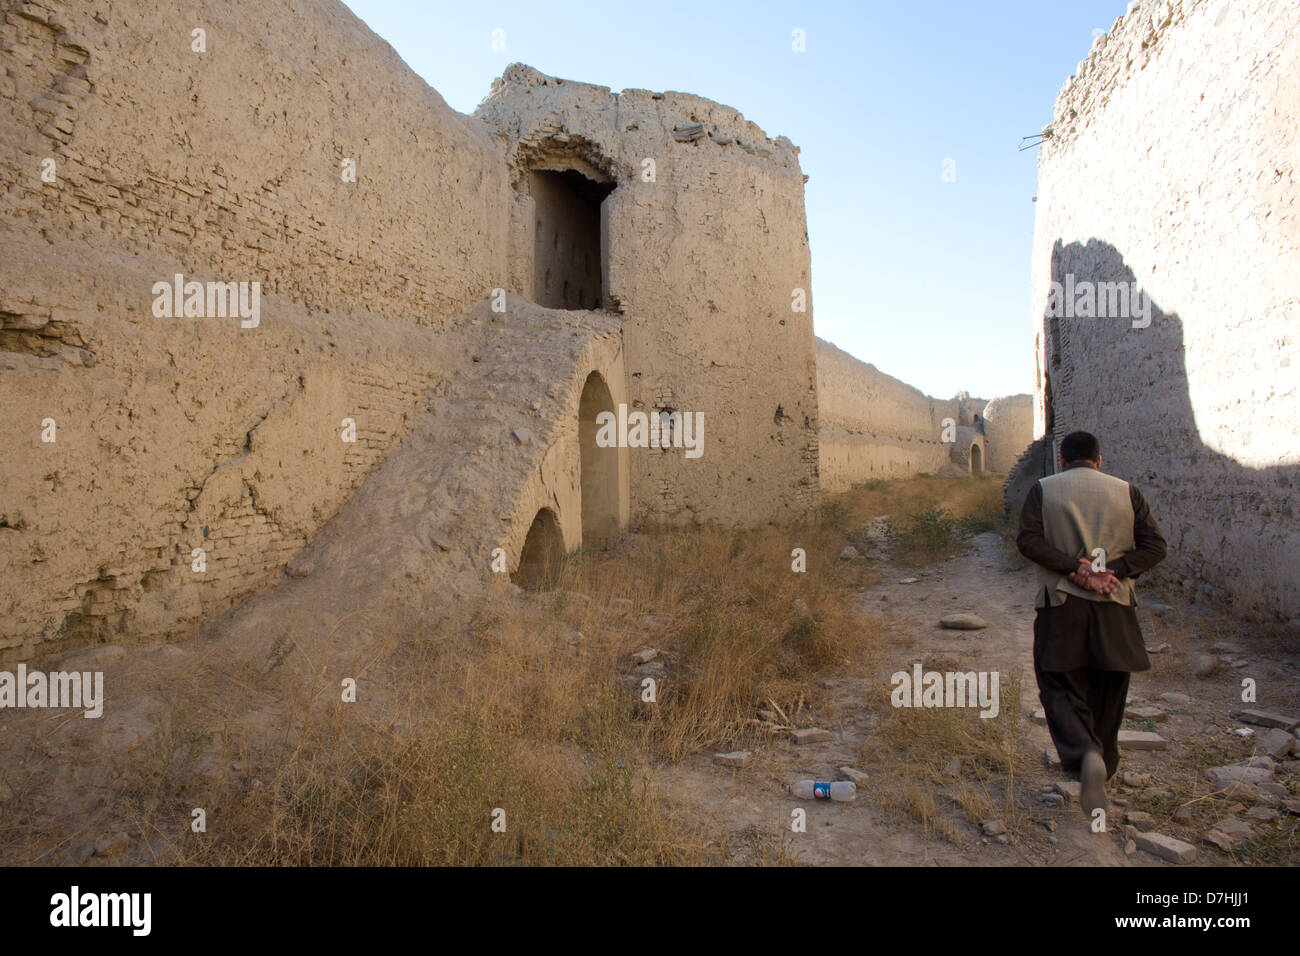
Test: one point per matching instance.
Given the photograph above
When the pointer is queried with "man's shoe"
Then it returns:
(1092, 779)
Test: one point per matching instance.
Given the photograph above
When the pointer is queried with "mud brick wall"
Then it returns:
(1171, 162)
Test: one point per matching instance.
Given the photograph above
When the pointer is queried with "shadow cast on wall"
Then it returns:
(1232, 528)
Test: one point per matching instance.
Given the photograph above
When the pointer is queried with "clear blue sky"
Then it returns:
(928, 280)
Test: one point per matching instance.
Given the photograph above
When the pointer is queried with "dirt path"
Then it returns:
(987, 580)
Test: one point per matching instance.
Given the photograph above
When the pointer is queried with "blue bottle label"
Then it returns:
(821, 791)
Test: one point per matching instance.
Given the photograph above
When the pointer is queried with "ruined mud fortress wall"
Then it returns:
(875, 426)
(1171, 165)
(705, 254)
(131, 156)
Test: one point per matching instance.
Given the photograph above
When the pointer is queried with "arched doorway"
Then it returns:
(976, 460)
(598, 467)
(542, 559)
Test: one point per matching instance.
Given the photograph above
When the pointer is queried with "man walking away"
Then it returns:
(1090, 535)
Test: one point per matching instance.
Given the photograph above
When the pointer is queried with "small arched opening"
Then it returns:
(542, 560)
(976, 460)
(598, 466)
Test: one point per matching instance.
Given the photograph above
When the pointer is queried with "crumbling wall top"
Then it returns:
(1114, 56)
(613, 130)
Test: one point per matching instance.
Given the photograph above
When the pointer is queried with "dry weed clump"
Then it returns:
(519, 736)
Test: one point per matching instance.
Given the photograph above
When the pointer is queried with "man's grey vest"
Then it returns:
(1084, 509)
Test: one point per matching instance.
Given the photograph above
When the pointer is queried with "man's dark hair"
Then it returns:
(1080, 446)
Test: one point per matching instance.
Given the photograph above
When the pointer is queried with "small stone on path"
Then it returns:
(810, 735)
(737, 758)
(963, 622)
(859, 777)
(1141, 740)
(1166, 847)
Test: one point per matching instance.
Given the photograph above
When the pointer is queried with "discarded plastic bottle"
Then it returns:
(841, 791)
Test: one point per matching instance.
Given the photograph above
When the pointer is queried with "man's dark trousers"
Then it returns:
(1084, 652)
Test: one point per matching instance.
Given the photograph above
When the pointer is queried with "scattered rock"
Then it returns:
(1141, 740)
(1238, 830)
(909, 580)
(859, 777)
(963, 622)
(954, 767)
(1039, 716)
(1166, 847)
(1226, 647)
(1159, 648)
(1262, 814)
(736, 759)
(1131, 778)
(1146, 712)
(1050, 825)
(1069, 789)
(810, 735)
(1183, 814)
(1175, 699)
(1275, 742)
(1292, 807)
(522, 435)
(79, 855)
(1244, 772)
(1244, 732)
(1003, 839)
(112, 846)
(1130, 847)
(1052, 758)
(1220, 839)
(645, 655)
(1265, 794)
(1051, 800)
(1143, 821)
(848, 552)
(1264, 719)
(650, 668)
(1205, 665)
(1152, 794)
(993, 827)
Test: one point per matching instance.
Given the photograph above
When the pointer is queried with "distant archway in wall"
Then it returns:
(598, 467)
(976, 460)
(568, 257)
(542, 559)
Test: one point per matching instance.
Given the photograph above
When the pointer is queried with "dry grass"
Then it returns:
(913, 748)
(530, 707)
(926, 519)
(977, 498)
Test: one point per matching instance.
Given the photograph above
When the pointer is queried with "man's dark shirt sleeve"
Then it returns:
(1149, 546)
(1033, 544)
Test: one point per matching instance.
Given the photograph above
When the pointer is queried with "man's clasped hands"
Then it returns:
(1100, 581)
